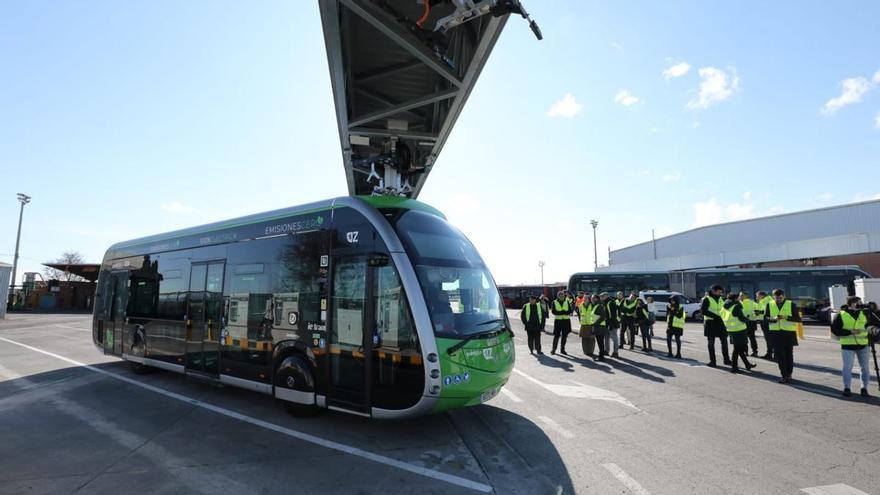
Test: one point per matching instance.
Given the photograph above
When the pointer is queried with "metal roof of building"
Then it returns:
(831, 231)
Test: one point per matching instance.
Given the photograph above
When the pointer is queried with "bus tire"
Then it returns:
(294, 370)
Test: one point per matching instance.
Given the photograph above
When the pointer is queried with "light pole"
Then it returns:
(541, 266)
(595, 249)
(23, 199)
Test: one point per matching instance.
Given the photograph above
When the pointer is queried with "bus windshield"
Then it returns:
(461, 295)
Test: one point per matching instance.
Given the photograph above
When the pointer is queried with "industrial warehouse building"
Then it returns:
(838, 235)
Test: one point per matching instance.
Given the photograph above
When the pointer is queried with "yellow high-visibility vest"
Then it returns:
(784, 311)
(732, 323)
(850, 323)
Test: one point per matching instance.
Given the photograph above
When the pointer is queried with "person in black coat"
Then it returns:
(713, 324)
(739, 339)
(533, 317)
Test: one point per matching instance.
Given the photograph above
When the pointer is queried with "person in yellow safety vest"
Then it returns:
(619, 312)
(762, 300)
(533, 318)
(628, 320)
(643, 320)
(600, 325)
(675, 318)
(561, 321)
(736, 325)
(749, 308)
(612, 342)
(713, 325)
(850, 326)
(783, 316)
(587, 315)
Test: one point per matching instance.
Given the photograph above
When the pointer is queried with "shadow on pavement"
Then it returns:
(61, 428)
(660, 370)
(815, 388)
(554, 362)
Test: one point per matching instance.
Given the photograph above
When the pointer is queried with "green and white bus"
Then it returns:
(375, 306)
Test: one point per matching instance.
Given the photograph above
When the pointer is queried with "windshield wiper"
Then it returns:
(452, 350)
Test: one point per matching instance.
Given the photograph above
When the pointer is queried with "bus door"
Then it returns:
(351, 334)
(116, 300)
(204, 317)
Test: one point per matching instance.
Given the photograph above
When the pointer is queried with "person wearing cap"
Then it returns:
(783, 316)
(850, 326)
(561, 321)
(713, 324)
(545, 308)
(627, 310)
(533, 318)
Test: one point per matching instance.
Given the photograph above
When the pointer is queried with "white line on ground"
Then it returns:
(347, 449)
(579, 390)
(838, 489)
(626, 479)
(553, 425)
(510, 395)
(81, 329)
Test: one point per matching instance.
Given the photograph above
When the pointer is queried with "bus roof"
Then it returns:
(374, 201)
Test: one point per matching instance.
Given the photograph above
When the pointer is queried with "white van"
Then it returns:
(661, 299)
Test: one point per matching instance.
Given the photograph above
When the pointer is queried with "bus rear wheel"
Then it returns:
(294, 374)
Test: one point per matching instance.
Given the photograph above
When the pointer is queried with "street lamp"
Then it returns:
(23, 199)
(541, 266)
(595, 250)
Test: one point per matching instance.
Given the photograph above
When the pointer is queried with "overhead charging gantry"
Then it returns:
(401, 72)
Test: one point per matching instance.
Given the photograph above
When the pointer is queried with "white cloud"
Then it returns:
(747, 195)
(625, 98)
(177, 207)
(654, 130)
(877, 77)
(716, 85)
(865, 197)
(671, 177)
(825, 197)
(676, 70)
(617, 46)
(877, 121)
(852, 90)
(711, 212)
(567, 107)
(695, 124)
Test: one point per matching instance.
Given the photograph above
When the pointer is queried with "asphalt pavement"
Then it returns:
(75, 421)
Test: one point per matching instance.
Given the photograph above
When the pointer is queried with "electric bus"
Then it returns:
(807, 286)
(516, 296)
(375, 306)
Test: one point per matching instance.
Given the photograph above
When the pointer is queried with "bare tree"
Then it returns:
(66, 258)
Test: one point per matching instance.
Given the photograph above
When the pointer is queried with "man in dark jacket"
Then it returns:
(713, 324)
(627, 309)
(533, 318)
(782, 316)
(561, 310)
(612, 342)
(850, 326)
(600, 325)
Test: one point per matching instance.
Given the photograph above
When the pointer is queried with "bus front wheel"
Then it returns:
(294, 376)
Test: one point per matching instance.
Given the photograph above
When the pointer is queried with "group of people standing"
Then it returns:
(606, 323)
(610, 324)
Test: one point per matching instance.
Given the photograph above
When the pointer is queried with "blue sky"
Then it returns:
(124, 119)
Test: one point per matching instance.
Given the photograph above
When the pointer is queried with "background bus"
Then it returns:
(515, 296)
(807, 286)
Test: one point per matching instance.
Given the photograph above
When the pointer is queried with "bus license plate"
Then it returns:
(489, 394)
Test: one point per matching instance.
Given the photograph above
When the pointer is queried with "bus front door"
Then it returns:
(351, 335)
(117, 301)
(204, 318)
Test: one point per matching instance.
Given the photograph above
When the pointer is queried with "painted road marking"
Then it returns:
(626, 479)
(347, 449)
(580, 391)
(510, 395)
(553, 425)
(838, 489)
